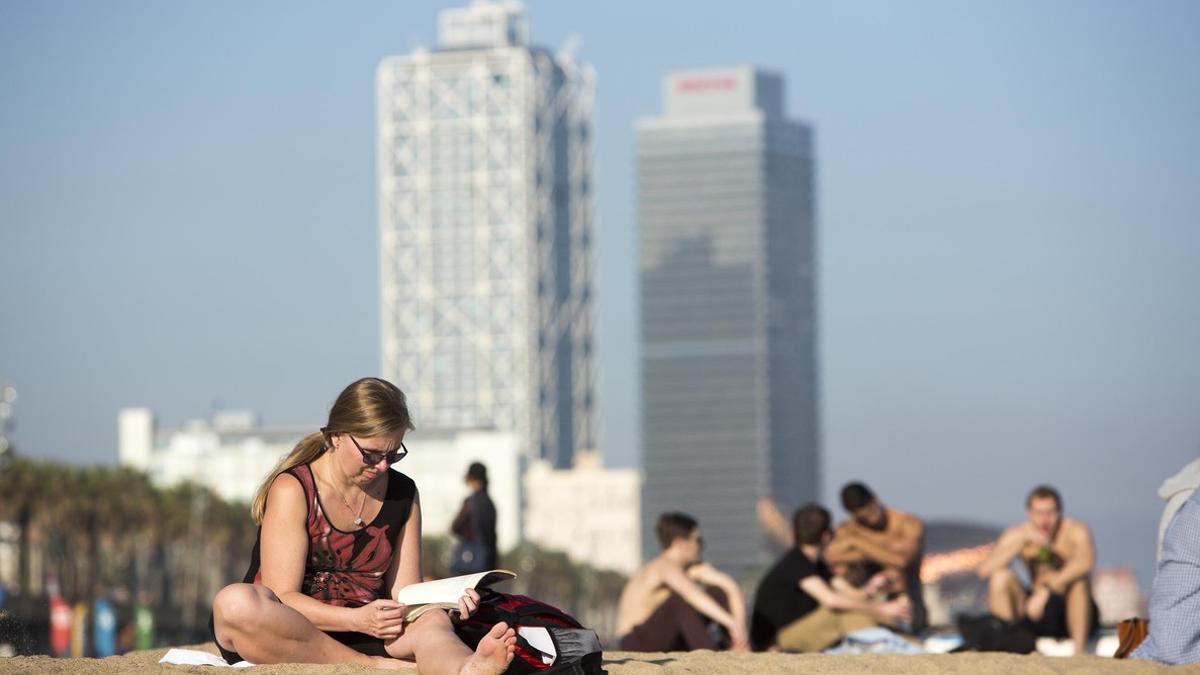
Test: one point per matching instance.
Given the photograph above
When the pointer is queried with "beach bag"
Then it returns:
(992, 634)
(1131, 633)
(548, 639)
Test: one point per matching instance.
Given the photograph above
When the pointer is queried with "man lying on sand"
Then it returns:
(1060, 555)
(877, 538)
(801, 607)
(668, 605)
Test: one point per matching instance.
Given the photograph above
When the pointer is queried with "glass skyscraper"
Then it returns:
(485, 208)
(728, 308)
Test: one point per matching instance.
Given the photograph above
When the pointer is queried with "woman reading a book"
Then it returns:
(339, 536)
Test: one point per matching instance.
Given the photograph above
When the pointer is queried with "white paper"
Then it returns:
(192, 657)
(539, 638)
(447, 590)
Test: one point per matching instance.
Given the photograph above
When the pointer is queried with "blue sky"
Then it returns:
(1009, 225)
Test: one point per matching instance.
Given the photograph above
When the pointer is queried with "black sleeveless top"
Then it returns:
(342, 568)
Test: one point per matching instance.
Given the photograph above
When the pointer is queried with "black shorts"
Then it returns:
(359, 642)
(1054, 620)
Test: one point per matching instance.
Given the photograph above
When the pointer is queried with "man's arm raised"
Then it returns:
(1006, 548)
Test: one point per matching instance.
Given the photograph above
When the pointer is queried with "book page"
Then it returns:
(451, 589)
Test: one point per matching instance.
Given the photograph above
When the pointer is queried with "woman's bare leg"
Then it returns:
(431, 640)
(250, 620)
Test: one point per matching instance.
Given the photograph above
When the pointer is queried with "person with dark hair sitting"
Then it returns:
(676, 602)
(801, 606)
(877, 538)
(1060, 555)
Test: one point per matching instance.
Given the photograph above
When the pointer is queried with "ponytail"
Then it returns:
(308, 449)
(367, 408)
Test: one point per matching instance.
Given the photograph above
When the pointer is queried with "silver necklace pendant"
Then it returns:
(358, 521)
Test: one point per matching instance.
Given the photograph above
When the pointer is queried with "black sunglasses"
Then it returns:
(372, 457)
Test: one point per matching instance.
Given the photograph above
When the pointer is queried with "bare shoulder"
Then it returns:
(285, 491)
(907, 520)
(1076, 528)
(844, 528)
(705, 572)
(1017, 531)
(287, 505)
(653, 573)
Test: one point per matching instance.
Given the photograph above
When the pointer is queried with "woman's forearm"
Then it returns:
(322, 615)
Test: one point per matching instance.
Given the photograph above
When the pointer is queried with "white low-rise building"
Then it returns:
(591, 513)
(231, 455)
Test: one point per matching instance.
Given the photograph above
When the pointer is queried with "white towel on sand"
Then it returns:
(192, 657)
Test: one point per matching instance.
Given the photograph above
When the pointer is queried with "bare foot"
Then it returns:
(389, 663)
(494, 653)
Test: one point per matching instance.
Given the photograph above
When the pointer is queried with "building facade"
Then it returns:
(591, 513)
(485, 208)
(726, 223)
(231, 454)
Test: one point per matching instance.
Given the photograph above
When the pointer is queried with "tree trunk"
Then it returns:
(24, 569)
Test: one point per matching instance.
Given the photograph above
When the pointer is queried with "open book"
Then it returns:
(444, 593)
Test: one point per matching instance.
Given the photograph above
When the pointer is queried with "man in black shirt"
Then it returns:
(800, 606)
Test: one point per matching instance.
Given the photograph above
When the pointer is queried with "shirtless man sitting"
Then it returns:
(1060, 556)
(877, 538)
(668, 604)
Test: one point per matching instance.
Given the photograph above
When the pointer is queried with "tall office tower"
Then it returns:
(485, 207)
(728, 314)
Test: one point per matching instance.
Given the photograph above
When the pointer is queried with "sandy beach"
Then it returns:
(626, 663)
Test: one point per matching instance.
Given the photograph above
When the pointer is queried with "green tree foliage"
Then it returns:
(102, 531)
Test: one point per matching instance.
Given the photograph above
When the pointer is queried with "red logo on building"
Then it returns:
(696, 84)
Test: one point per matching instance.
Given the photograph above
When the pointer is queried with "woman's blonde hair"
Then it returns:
(367, 408)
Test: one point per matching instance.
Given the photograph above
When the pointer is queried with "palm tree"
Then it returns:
(20, 483)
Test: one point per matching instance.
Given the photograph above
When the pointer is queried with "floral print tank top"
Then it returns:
(342, 568)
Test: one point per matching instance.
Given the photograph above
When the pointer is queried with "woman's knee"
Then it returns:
(240, 605)
(433, 620)
(432, 624)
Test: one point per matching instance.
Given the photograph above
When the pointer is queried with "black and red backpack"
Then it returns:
(570, 649)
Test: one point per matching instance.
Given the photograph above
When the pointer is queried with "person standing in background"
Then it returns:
(475, 527)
